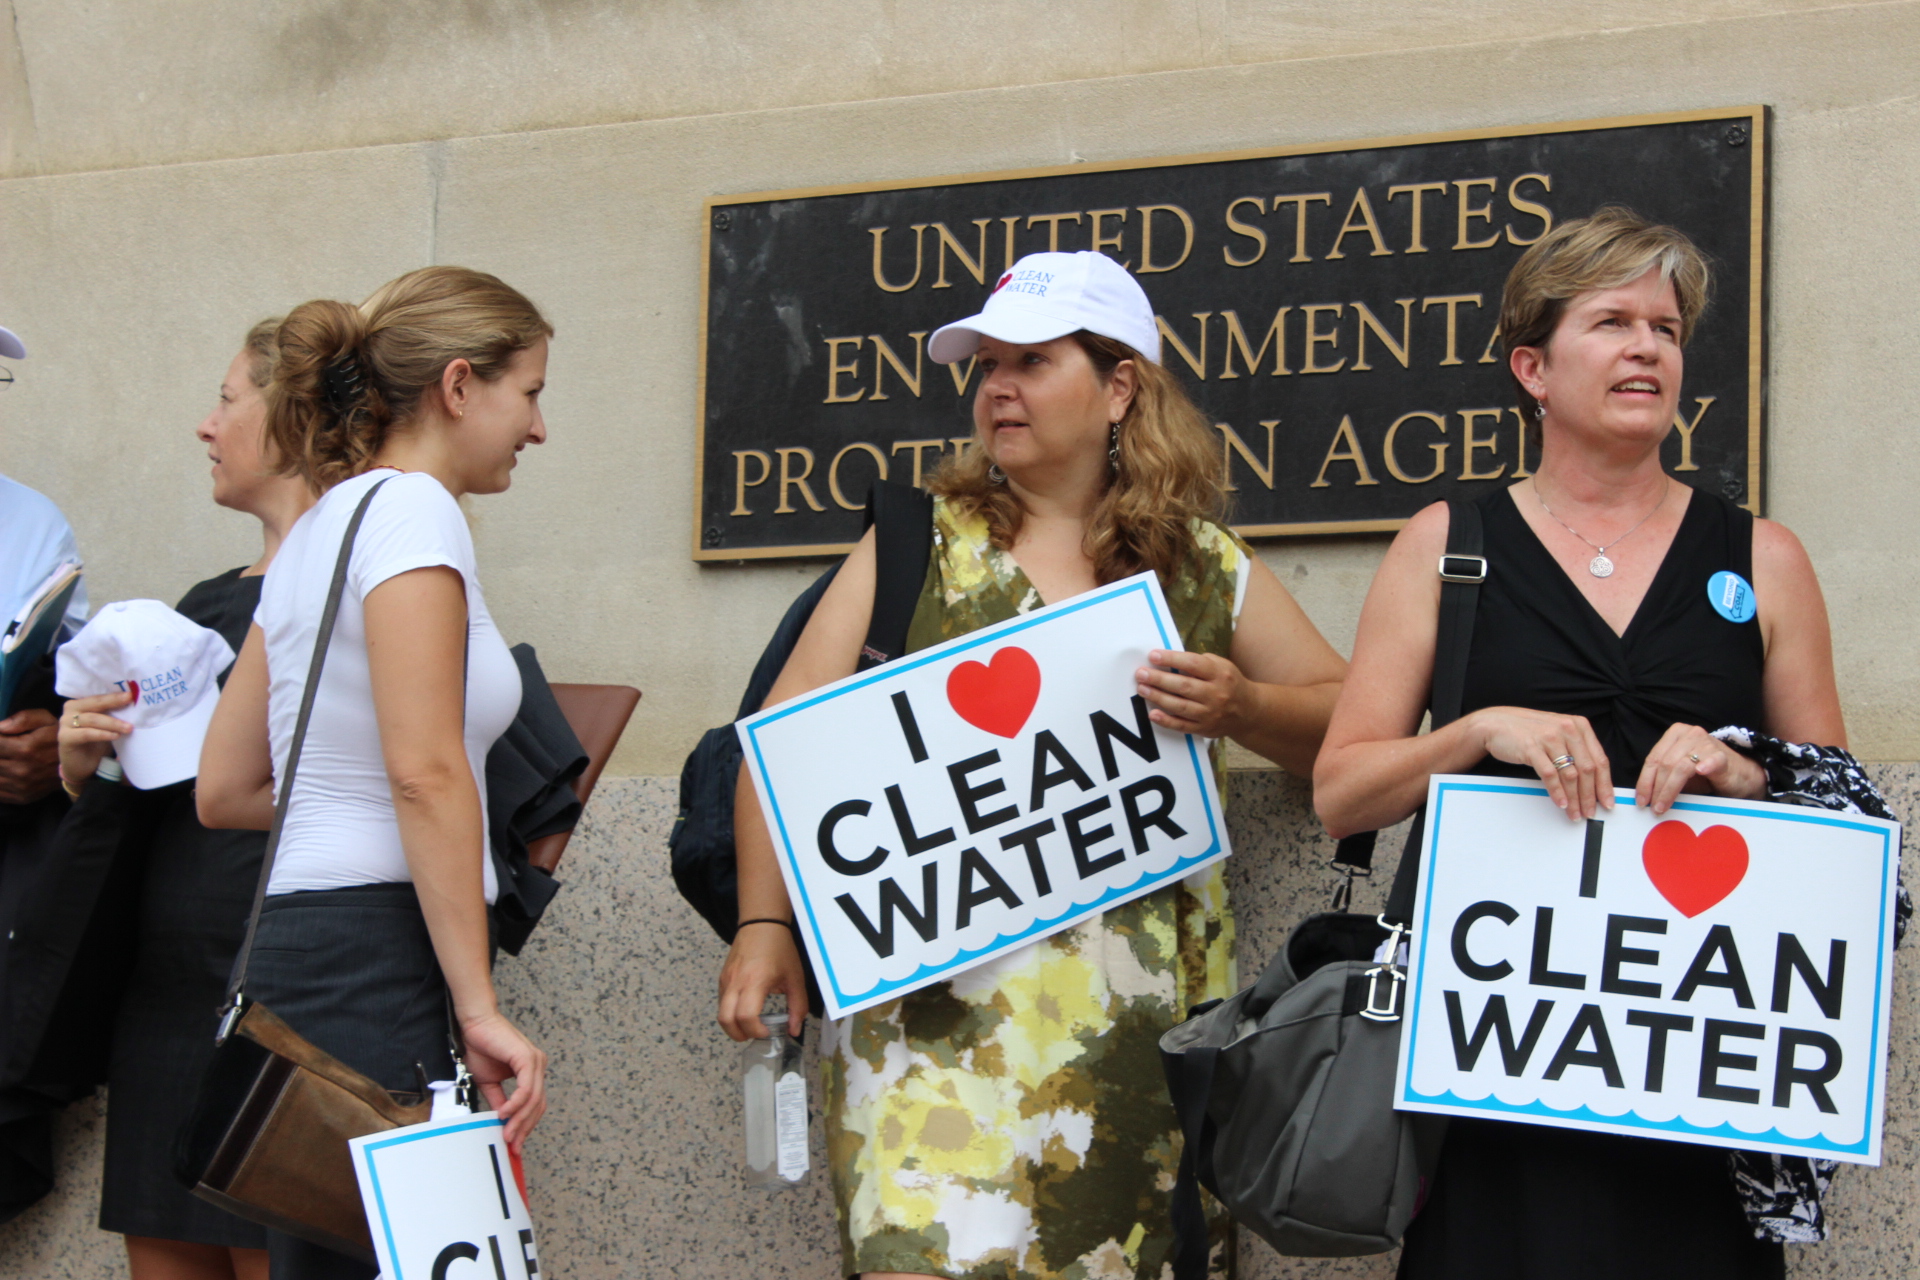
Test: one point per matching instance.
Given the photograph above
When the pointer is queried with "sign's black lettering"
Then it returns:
(970, 793)
(1028, 839)
(1159, 816)
(832, 856)
(1787, 1074)
(915, 843)
(1790, 958)
(925, 918)
(1617, 954)
(1081, 841)
(910, 726)
(1714, 1059)
(979, 885)
(458, 1251)
(1732, 976)
(1047, 747)
(1494, 1022)
(1658, 1026)
(1540, 975)
(1107, 731)
(1462, 959)
(1587, 1022)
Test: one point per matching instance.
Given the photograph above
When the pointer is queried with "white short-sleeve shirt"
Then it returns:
(340, 829)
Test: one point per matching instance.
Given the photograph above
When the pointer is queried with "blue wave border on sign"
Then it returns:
(902, 665)
(1771, 812)
(1634, 1120)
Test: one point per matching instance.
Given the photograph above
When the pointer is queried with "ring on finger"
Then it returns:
(76, 720)
(1561, 762)
(1694, 756)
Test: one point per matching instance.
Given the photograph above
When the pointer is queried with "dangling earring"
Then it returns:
(995, 475)
(1113, 448)
(1539, 410)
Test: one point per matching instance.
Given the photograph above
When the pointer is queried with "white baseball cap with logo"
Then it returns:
(1050, 295)
(170, 663)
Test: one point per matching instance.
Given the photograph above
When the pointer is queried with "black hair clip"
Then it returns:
(343, 381)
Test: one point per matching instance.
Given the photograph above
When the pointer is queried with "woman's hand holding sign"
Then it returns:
(1688, 758)
(1562, 749)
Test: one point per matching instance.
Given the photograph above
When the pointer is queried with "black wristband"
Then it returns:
(788, 925)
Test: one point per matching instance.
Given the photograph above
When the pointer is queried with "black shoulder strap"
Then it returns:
(1462, 569)
(335, 590)
(902, 519)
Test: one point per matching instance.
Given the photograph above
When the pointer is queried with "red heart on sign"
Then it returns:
(997, 697)
(1694, 872)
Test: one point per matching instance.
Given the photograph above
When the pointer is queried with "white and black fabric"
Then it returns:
(1783, 1195)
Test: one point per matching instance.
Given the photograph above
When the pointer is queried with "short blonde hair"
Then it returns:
(1615, 246)
(346, 377)
(1166, 475)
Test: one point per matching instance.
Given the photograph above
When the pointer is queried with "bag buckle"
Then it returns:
(1458, 568)
(229, 1019)
(1386, 982)
(1343, 891)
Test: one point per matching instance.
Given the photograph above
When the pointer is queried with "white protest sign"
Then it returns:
(959, 803)
(444, 1203)
(1718, 975)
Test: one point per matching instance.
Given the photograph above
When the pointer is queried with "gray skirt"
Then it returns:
(353, 971)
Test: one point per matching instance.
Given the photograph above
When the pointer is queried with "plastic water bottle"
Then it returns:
(775, 1097)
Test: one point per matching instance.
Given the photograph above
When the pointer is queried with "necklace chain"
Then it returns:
(1599, 566)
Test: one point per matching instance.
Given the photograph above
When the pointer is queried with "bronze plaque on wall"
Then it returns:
(1331, 308)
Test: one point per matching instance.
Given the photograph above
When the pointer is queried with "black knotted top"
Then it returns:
(1538, 643)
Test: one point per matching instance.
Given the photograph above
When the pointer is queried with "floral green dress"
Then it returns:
(1013, 1123)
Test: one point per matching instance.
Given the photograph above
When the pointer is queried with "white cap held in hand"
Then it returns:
(171, 664)
(1050, 295)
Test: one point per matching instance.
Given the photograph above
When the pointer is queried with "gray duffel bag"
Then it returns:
(1285, 1094)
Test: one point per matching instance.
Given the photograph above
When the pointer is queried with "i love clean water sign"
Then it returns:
(960, 803)
(1719, 975)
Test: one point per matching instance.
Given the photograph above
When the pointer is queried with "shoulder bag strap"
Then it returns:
(1462, 569)
(229, 1014)
(902, 520)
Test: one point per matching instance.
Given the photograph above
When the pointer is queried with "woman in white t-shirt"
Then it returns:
(377, 914)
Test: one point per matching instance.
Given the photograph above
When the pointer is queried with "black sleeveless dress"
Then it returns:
(197, 890)
(1525, 1202)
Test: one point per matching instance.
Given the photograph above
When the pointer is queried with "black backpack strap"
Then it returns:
(902, 519)
(1462, 569)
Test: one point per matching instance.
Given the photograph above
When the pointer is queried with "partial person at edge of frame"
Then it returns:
(431, 385)
(195, 893)
(1589, 669)
(1089, 464)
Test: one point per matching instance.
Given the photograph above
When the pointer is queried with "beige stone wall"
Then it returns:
(171, 173)
(133, 284)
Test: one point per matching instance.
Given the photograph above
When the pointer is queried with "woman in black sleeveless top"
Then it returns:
(1598, 660)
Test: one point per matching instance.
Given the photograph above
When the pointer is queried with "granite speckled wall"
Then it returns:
(633, 1172)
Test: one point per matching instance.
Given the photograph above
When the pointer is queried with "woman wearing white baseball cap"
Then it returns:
(1056, 1154)
(198, 883)
(376, 925)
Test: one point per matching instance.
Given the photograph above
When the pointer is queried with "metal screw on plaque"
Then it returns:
(1732, 489)
(713, 536)
(722, 220)
(1737, 136)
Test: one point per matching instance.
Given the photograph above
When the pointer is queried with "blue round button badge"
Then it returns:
(1731, 596)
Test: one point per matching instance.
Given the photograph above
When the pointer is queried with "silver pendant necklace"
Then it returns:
(1599, 566)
